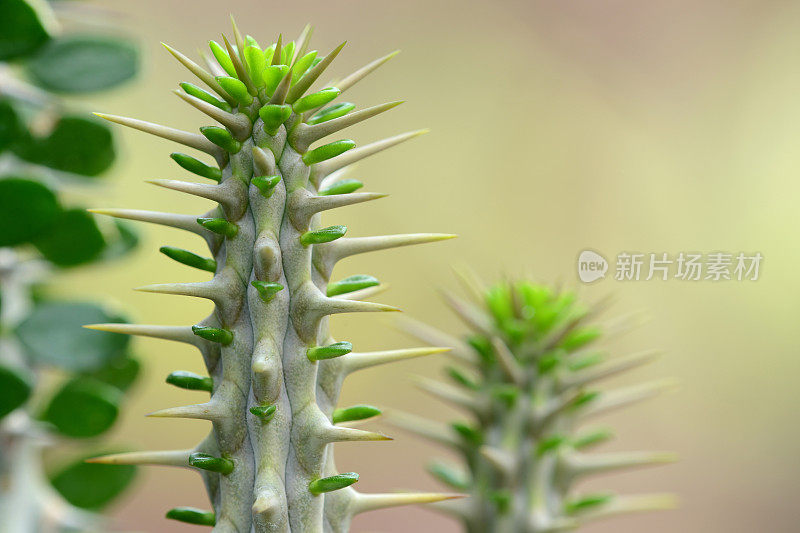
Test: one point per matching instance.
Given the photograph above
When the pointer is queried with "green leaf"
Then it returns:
(222, 336)
(236, 89)
(222, 57)
(222, 138)
(328, 151)
(27, 209)
(332, 483)
(302, 65)
(123, 241)
(90, 485)
(76, 144)
(264, 412)
(11, 128)
(320, 236)
(207, 462)
(331, 351)
(120, 373)
(15, 388)
(82, 63)
(83, 408)
(72, 240)
(184, 379)
(449, 475)
(273, 116)
(189, 259)
(579, 338)
(23, 27)
(356, 412)
(53, 334)
(219, 226)
(351, 284)
(190, 515)
(586, 502)
(330, 113)
(266, 184)
(196, 166)
(201, 94)
(342, 187)
(315, 100)
(266, 289)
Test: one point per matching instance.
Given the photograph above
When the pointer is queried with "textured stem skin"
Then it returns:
(271, 405)
(527, 384)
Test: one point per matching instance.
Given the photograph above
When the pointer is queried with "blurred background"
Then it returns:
(556, 126)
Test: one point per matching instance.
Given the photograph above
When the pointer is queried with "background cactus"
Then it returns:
(274, 371)
(527, 378)
(59, 385)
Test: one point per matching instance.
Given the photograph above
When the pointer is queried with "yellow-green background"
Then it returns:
(660, 126)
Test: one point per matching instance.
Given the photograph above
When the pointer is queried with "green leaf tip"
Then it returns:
(222, 138)
(550, 444)
(351, 284)
(331, 351)
(266, 290)
(190, 515)
(197, 92)
(592, 438)
(196, 166)
(468, 433)
(330, 113)
(328, 151)
(356, 412)
(222, 336)
(190, 381)
(274, 115)
(264, 412)
(204, 461)
(321, 236)
(189, 259)
(586, 502)
(222, 57)
(220, 226)
(266, 184)
(315, 100)
(329, 484)
(341, 187)
(236, 89)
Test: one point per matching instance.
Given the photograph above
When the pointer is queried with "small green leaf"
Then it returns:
(449, 475)
(586, 502)
(189, 259)
(83, 407)
(342, 187)
(15, 389)
(328, 151)
(120, 373)
(323, 235)
(204, 461)
(287, 53)
(27, 209)
(197, 167)
(550, 444)
(74, 239)
(329, 484)
(315, 100)
(351, 284)
(24, 27)
(264, 412)
(256, 63)
(586, 361)
(197, 92)
(273, 76)
(592, 438)
(236, 89)
(584, 398)
(302, 65)
(219, 226)
(331, 351)
(273, 116)
(53, 334)
(579, 338)
(222, 58)
(356, 412)
(90, 485)
(266, 184)
(190, 515)
(190, 381)
(222, 336)
(121, 242)
(502, 499)
(266, 290)
(82, 63)
(11, 127)
(468, 433)
(330, 113)
(462, 379)
(506, 393)
(222, 138)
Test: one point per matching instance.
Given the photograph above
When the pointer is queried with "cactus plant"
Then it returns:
(274, 371)
(526, 375)
(60, 386)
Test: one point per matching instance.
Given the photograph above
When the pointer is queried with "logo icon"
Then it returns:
(591, 266)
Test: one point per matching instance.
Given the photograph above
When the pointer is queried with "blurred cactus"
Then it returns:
(60, 385)
(274, 371)
(527, 378)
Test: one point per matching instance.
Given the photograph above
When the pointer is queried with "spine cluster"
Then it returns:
(275, 372)
(527, 378)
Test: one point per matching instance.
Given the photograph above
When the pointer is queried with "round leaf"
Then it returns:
(15, 388)
(23, 27)
(92, 486)
(10, 125)
(53, 334)
(27, 208)
(83, 63)
(76, 144)
(73, 239)
(83, 408)
(120, 373)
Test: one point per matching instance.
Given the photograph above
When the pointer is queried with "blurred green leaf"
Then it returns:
(10, 125)
(80, 63)
(120, 373)
(23, 27)
(53, 334)
(27, 208)
(125, 240)
(15, 388)
(92, 486)
(76, 144)
(73, 239)
(84, 407)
